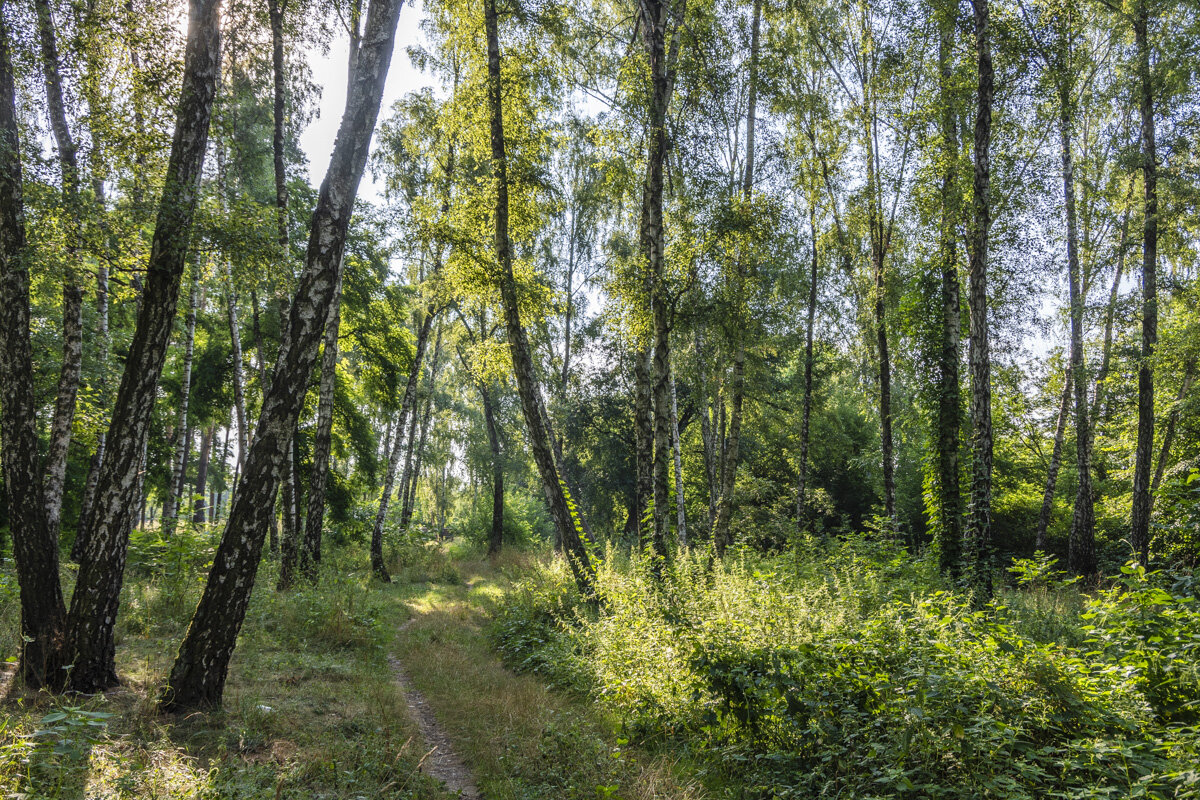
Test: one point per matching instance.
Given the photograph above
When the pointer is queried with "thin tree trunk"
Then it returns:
(410, 488)
(1101, 388)
(729, 474)
(533, 406)
(1081, 552)
(949, 402)
(310, 551)
(378, 569)
(218, 507)
(198, 496)
(34, 548)
(179, 456)
(1060, 429)
(1164, 453)
(979, 521)
(1140, 527)
(55, 466)
(802, 514)
(273, 521)
(496, 536)
(239, 378)
(93, 613)
(680, 505)
(707, 435)
(198, 676)
(643, 413)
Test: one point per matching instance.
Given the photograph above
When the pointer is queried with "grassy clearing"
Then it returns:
(853, 671)
(310, 709)
(522, 739)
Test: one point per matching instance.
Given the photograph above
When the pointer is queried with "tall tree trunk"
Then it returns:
(35, 550)
(198, 496)
(239, 378)
(410, 482)
(89, 642)
(378, 569)
(198, 676)
(643, 418)
(1140, 528)
(655, 15)
(979, 521)
(263, 382)
(179, 456)
(802, 515)
(218, 507)
(708, 435)
(55, 466)
(1101, 388)
(310, 550)
(533, 406)
(680, 505)
(1060, 429)
(496, 536)
(949, 401)
(729, 472)
(1081, 552)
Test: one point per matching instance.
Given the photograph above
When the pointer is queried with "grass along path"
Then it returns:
(521, 740)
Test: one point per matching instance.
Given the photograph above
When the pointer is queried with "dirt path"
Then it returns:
(441, 762)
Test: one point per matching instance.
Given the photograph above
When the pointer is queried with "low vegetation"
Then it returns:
(856, 671)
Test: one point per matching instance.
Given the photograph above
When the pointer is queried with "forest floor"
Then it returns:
(353, 690)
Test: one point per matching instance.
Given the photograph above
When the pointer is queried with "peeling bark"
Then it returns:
(197, 678)
(35, 551)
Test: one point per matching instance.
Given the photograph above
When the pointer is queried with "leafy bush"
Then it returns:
(853, 672)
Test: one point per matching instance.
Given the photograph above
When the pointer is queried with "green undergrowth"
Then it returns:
(310, 711)
(854, 672)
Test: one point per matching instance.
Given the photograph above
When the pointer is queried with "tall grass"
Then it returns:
(853, 671)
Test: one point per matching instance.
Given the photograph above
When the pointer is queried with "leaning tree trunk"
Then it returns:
(1081, 549)
(310, 549)
(949, 401)
(198, 676)
(563, 514)
(738, 389)
(179, 456)
(89, 641)
(1140, 529)
(1060, 429)
(34, 549)
(378, 569)
(414, 470)
(55, 466)
(979, 521)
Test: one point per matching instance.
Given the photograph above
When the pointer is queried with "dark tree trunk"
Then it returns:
(34, 548)
(1140, 529)
(563, 514)
(802, 516)
(310, 550)
(426, 417)
(654, 15)
(89, 644)
(496, 535)
(707, 435)
(949, 401)
(738, 389)
(198, 676)
(179, 456)
(680, 505)
(1060, 429)
(406, 475)
(1081, 550)
(979, 522)
(378, 569)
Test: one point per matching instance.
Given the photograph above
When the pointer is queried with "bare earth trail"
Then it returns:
(441, 761)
